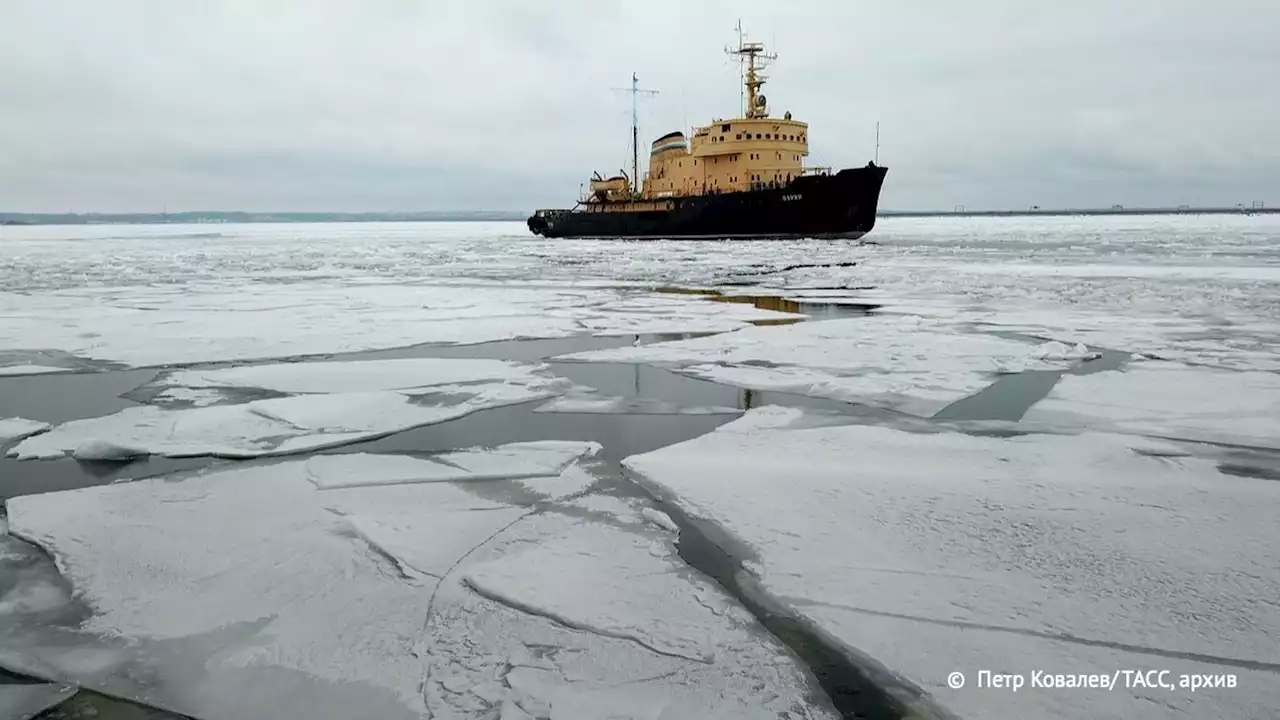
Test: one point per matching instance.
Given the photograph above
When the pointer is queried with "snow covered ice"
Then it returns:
(604, 404)
(443, 583)
(228, 591)
(514, 461)
(31, 370)
(903, 363)
(336, 403)
(934, 552)
(12, 429)
(203, 322)
(1169, 400)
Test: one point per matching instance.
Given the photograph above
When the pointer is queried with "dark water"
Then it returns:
(1009, 397)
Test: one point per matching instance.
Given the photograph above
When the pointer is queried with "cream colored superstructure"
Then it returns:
(728, 156)
(737, 154)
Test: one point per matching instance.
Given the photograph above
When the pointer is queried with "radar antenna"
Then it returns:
(757, 60)
(636, 91)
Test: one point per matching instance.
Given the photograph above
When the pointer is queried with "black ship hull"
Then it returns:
(842, 205)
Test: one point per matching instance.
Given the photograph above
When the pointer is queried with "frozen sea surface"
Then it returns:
(900, 362)
(320, 405)
(205, 595)
(1170, 400)
(16, 428)
(938, 552)
(439, 564)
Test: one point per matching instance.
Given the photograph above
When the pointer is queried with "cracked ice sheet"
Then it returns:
(208, 321)
(353, 376)
(605, 559)
(226, 593)
(17, 428)
(579, 620)
(675, 313)
(1238, 344)
(611, 404)
(247, 589)
(539, 458)
(941, 552)
(903, 363)
(285, 425)
(1168, 400)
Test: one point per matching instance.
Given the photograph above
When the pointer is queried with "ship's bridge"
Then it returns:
(765, 134)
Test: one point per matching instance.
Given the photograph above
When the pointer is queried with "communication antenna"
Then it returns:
(877, 160)
(752, 54)
(636, 91)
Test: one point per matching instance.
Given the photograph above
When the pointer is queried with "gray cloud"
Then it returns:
(397, 104)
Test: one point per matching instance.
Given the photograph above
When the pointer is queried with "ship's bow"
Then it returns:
(859, 188)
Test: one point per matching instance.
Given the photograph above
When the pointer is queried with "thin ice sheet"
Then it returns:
(904, 363)
(1112, 547)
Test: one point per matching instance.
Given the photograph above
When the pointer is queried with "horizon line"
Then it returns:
(511, 214)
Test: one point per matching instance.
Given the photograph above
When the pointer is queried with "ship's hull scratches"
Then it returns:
(840, 206)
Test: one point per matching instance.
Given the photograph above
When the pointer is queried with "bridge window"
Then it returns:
(724, 128)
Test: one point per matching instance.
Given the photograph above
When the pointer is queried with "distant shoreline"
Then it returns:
(216, 218)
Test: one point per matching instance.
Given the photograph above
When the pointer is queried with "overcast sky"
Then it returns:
(133, 105)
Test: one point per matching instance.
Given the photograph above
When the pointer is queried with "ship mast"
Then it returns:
(742, 96)
(757, 60)
(636, 91)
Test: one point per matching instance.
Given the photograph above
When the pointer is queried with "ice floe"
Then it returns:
(675, 313)
(1212, 341)
(661, 519)
(937, 552)
(511, 461)
(1054, 350)
(609, 405)
(17, 428)
(236, 592)
(205, 321)
(558, 654)
(904, 363)
(1169, 400)
(343, 402)
(31, 370)
(349, 375)
(614, 606)
(27, 701)
(572, 481)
